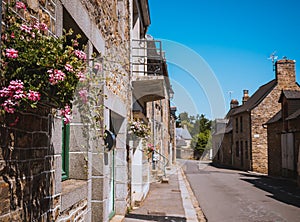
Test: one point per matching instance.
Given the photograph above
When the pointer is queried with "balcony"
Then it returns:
(148, 70)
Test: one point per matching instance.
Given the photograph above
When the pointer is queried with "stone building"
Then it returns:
(151, 104)
(249, 136)
(222, 132)
(183, 143)
(56, 172)
(284, 137)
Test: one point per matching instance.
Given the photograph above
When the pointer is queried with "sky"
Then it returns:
(234, 38)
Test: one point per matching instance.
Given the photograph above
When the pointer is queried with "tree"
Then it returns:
(200, 129)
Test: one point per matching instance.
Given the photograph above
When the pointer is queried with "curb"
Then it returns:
(190, 203)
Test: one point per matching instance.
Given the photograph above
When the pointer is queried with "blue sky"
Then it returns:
(234, 37)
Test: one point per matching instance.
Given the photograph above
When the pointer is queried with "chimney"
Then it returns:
(245, 96)
(234, 103)
(285, 73)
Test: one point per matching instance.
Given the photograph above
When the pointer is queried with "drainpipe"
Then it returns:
(250, 143)
(153, 135)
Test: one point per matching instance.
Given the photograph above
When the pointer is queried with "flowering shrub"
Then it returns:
(150, 148)
(140, 129)
(37, 67)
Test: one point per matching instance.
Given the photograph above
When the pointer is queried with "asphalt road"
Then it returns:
(228, 195)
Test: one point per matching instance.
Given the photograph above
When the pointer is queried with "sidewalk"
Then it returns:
(171, 201)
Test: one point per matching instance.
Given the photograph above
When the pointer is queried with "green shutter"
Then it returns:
(65, 150)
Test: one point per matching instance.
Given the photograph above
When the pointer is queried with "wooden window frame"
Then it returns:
(65, 151)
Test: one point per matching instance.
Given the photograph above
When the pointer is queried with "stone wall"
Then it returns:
(260, 115)
(222, 144)
(274, 148)
(112, 19)
(85, 194)
(275, 130)
(40, 10)
(27, 167)
(241, 137)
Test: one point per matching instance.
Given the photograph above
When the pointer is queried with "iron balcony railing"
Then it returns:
(147, 57)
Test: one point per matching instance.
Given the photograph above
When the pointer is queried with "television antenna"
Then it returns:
(230, 93)
(273, 57)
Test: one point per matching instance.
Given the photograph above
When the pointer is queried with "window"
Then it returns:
(246, 150)
(236, 125)
(237, 149)
(241, 124)
(65, 150)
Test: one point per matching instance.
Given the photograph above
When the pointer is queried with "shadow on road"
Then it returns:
(282, 190)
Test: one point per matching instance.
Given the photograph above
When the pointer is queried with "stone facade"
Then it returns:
(284, 137)
(31, 159)
(223, 155)
(249, 135)
(97, 181)
(286, 80)
(27, 167)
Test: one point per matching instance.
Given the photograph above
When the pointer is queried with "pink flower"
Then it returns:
(20, 5)
(40, 26)
(43, 27)
(12, 53)
(81, 76)
(80, 54)
(83, 95)
(97, 67)
(55, 76)
(68, 67)
(25, 28)
(66, 114)
(19, 94)
(12, 35)
(33, 95)
(5, 92)
(75, 43)
(9, 106)
(15, 85)
(4, 37)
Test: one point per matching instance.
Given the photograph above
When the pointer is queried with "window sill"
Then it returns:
(73, 191)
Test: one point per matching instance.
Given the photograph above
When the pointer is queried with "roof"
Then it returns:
(183, 133)
(229, 127)
(294, 115)
(231, 112)
(290, 94)
(256, 98)
(180, 142)
(220, 126)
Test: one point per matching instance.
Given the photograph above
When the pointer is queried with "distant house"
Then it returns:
(183, 143)
(249, 149)
(284, 137)
(221, 140)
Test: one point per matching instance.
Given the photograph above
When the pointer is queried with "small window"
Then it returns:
(236, 125)
(241, 124)
(65, 150)
(237, 149)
